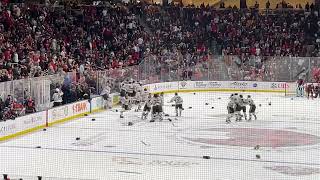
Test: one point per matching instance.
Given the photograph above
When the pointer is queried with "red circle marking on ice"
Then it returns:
(250, 137)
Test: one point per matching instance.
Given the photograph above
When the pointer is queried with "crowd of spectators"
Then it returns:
(39, 40)
(10, 108)
(188, 35)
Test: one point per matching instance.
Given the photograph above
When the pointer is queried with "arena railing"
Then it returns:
(230, 68)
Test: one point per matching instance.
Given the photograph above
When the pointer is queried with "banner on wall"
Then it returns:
(183, 85)
(207, 84)
(280, 85)
(239, 85)
(69, 110)
(31, 122)
(236, 85)
(22, 123)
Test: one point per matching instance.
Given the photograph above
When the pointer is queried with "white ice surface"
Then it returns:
(108, 149)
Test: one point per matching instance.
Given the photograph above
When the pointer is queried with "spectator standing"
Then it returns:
(57, 97)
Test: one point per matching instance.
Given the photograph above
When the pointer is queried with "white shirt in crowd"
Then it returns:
(57, 96)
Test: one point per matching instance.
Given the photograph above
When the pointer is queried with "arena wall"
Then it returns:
(223, 86)
(40, 120)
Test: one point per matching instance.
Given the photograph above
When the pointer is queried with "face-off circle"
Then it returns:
(250, 137)
(295, 170)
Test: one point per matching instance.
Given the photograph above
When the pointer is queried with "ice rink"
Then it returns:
(288, 132)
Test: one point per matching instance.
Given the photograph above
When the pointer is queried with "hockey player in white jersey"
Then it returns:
(105, 93)
(138, 100)
(137, 86)
(141, 98)
(145, 95)
(231, 109)
(156, 108)
(147, 107)
(178, 104)
(125, 101)
(162, 102)
(252, 110)
(130, 92)
(236, 99)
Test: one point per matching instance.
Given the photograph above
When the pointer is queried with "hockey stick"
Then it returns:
(146, 144)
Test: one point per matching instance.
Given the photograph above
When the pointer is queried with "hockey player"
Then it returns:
(123, 88)
(106, 98)
(162, 102)
(156, 108)
(231, 107)
(124, 104)
(236, 99)
(137, 86)
(310, 90)
(130, 88)
(242, 104)
(317, 91)
(252, 110)
(178, 104)
(145, 95)
(138, 95)
(300, 88)
(141, 98)
(147, 107)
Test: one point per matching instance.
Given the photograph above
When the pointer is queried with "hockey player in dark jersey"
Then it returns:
(123, 87)
(252, 110)
(242, 104)
(130, 89)
(178, 104)
(310, 90)
(317, 91)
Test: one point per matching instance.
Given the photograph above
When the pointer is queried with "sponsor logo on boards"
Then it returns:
(79, 107)
(239, 84)
(59, 113)
(280, 85)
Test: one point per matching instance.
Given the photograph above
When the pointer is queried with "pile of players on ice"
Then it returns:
(132, 93)
(237, 104)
